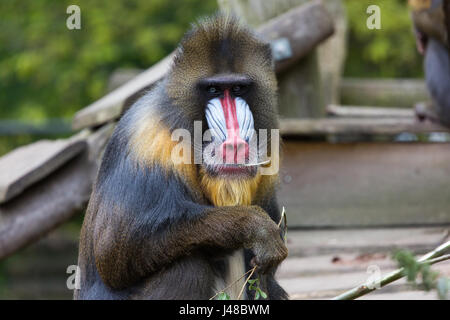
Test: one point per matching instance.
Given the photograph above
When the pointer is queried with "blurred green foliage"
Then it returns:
(389, 52)
(47, 70)
(420, 274)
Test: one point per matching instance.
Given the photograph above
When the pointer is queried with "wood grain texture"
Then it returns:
(305, 26)
(54, 200)
(401, 93)
(357, 125)
(368, 112)
(26, 165)
(365, 184)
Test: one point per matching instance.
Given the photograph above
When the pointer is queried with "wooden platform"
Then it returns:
(325, 263)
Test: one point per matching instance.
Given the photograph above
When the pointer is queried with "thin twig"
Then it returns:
(283, 215)
(438, 259)
(229, 286)
(432, 257)
(243, 287)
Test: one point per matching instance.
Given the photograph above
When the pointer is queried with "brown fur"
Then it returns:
(432, 22)
(159, 230)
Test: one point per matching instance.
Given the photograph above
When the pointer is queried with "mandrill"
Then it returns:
(160, 228)
(431, 20)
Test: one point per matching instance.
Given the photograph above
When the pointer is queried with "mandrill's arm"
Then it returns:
(144, 220)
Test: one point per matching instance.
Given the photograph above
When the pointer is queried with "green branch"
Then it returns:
(435, 256)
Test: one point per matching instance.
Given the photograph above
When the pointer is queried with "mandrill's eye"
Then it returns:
(213, 89)
(237, 89)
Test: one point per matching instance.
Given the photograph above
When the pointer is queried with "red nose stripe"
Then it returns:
(237, 153)
(229, 110)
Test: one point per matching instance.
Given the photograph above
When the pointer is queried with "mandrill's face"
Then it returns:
(230, 146)
(231, 88)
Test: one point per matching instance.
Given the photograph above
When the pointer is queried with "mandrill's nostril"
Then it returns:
(235, 151)
(241, 146)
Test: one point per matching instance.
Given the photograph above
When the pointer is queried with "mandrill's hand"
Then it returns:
(265, 241)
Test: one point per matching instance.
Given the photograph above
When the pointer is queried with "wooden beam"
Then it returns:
(380, 125)
(304, 26)
(54, 200)
(26, 165)
(401, 93)
(110, 106)
(55, 126)
(369, 112)
(305, 243)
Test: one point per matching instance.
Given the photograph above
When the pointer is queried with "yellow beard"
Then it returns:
(229, 192)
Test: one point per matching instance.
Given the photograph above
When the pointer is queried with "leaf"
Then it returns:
(263, 294)
(253, 284)
(223, 296)
(257, 295)
(428, 277)
(407, 261)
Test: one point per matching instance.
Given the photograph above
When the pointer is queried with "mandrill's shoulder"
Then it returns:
(153, 109)
(148, 106)
(143, 136)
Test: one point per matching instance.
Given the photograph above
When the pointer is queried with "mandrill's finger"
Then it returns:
(254, 262)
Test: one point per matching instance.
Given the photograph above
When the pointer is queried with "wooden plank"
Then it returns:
(300, 19)
(348, 256)
(365, 184)
(55, 199)
(403, 93)
(25, 165)
(379, 125)
(305, 26)
(110, 106)
(121, 76)
(369, 112)
(403, 295)
(353, 241)
(55, 126)
(314, 266)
